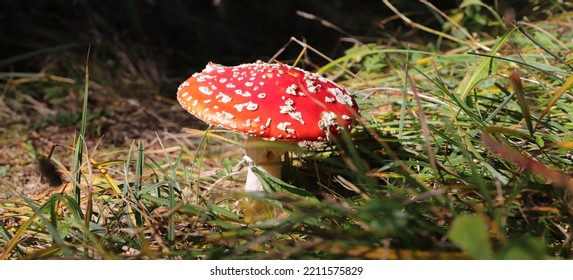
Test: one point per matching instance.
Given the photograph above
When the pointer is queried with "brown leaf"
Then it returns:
(528, 163)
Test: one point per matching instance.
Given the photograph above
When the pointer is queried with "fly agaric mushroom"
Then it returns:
(268, 102)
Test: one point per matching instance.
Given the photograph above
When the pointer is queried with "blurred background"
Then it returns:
(160, 43)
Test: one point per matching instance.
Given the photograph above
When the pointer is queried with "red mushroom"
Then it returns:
(268, 102)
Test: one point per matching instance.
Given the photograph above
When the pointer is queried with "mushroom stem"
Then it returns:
(266, 156)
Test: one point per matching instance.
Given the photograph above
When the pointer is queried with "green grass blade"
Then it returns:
(78, 154)
(173, 185)
(485, 67)
(272, 184)
(542, 46)
(139, 167)
(521, 101)
(404, 98)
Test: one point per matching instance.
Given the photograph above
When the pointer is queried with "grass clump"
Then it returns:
(458, 154)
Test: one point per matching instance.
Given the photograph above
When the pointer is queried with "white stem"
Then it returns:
(266, 156)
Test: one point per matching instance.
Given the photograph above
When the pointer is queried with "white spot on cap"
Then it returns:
(252, 106)
(228, 116)
(224, 114)
(224, 98)
(262, 95)
(205, 90)
(229, 85)
(248, 105)
(184, 84)
(286, 109)
(296, 116)
(291, 89)
(341, 97)
(243, 93)
(283, 125)
(209, 68)
(327, 121)
(311, 84)
(328, 99)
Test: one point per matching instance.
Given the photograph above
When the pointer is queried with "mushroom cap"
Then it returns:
(273, 101)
